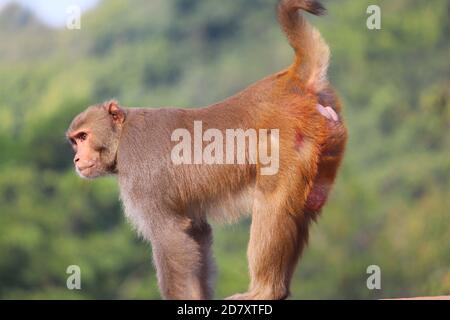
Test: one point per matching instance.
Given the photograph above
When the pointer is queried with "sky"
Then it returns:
(52, 12)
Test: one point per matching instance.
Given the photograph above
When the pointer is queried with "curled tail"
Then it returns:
(311, 51)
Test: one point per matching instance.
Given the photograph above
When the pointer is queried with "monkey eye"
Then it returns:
(81, 136)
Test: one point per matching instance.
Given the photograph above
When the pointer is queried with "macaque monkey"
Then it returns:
(169, 203)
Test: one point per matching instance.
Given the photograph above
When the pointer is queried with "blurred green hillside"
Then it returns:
(390, 207)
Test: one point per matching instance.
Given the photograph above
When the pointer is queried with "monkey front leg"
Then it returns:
(183, 259)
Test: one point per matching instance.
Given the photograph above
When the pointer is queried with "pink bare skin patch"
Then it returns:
(328, 112)
(317, 197)
(298, 140)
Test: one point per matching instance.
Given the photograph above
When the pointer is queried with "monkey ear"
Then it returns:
(117, 114)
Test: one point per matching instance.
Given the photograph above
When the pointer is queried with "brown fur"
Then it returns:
(169, 204)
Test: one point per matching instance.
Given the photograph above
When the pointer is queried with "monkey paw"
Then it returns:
(256, 296)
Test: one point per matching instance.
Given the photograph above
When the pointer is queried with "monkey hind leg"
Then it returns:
(277, 239)
(279, 229)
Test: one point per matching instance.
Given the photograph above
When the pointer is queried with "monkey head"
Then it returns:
(94, 135)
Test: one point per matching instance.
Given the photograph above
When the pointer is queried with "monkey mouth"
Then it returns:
(82, 169)
(85, 167)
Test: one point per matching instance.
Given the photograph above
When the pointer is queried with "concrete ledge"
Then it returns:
(423, 298)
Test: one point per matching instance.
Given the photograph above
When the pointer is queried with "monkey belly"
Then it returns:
(317, 198)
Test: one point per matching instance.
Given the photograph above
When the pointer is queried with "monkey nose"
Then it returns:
(76, 159)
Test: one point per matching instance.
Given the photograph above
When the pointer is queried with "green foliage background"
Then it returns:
(390, 206)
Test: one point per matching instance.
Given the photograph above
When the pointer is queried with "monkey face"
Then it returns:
(87, 159)
(94, 136)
